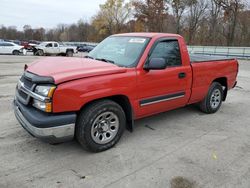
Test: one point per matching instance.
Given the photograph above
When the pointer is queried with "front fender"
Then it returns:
(73, 95)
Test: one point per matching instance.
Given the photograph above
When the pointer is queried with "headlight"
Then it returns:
(45, 91)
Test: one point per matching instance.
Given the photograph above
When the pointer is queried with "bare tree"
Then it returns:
(244, 35)
(196, 11)
(215, 13)
(152, 13)
(28, 32)
(113, 14)
(39, 34)
(231, 11)
(178, 7)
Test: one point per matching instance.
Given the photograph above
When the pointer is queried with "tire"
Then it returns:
(213, 100)
(100, 125)
(40, 53)
(15, 52)
(69, 53)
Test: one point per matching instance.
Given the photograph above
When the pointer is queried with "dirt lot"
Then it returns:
(183, 146)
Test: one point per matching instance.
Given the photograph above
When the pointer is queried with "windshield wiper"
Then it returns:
(105, 60)
(88, 57)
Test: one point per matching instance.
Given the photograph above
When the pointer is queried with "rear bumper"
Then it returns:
(49, 128)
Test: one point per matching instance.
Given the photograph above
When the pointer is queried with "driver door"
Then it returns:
(162, 90)
(49, 48)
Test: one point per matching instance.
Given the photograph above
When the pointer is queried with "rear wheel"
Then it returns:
(100, 125)
(69, 53)
(15, 52)
(213, 100)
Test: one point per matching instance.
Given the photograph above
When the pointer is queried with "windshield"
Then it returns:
(43, 44)
(122, 51)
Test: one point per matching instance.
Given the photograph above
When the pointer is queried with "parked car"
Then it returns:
(85, 48)
(125, 78)
(10, 48)
(53, 48)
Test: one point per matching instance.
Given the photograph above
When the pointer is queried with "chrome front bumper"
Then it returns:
(53, 134)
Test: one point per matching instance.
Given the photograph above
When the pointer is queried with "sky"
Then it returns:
(46, 13)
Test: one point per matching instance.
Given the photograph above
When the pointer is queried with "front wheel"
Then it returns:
(213, 100)
(39, 52)
(100, 125)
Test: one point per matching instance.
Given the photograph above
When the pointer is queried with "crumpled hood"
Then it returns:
(63, 69)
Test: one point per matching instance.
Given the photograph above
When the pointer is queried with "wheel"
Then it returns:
(213, 100)
(69, 53)
(100, 125)
(39, 52)
(15, 52)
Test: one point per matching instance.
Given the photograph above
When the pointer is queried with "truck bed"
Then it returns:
(194, 58)
(206, 69)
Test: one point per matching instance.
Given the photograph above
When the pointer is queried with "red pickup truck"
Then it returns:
(126, 77)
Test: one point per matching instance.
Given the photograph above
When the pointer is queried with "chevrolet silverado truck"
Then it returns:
(125, 78)
(53, 48)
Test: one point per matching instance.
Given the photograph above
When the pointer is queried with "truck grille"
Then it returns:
(28, 83)
(20, 95)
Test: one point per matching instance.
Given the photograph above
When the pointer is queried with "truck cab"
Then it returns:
(52, 48)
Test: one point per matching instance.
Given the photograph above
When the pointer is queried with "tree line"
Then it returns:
(201, 22)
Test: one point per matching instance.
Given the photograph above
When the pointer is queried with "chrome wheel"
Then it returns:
(215, 99)
(105, 127)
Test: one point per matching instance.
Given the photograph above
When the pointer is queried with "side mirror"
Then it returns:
(156, 64)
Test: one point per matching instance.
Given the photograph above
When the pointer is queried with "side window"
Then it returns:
(49, 45)
(55, 45)
(168, 50)
(8, 44)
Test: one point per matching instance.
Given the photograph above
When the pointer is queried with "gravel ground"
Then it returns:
(180, 148)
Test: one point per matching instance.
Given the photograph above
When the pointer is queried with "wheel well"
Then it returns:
(40, 50)
(223, 82)
(70, 50)
(15, 50)
(124, 102)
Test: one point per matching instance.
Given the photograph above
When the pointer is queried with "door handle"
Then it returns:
(182, 75)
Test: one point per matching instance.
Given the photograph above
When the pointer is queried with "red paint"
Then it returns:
(81, 80)
(64, 69)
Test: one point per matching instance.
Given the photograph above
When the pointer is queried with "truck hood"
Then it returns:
(63, 69)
